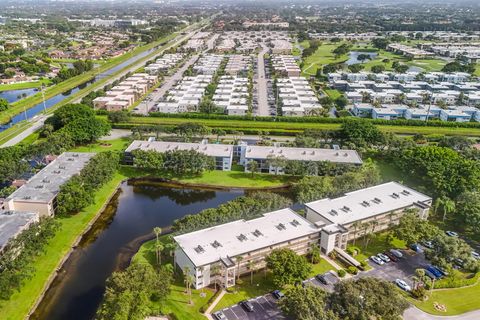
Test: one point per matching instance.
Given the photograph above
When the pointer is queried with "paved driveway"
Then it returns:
(331, 279)
(403, 269)
(265, 308)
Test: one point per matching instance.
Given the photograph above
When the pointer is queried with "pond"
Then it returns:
(353, 57)
(127, 222)
(15, 95)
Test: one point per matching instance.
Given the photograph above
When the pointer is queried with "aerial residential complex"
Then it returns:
(389, 96)
(38, 194)
(163, 64)
(124, 95)
(232, 94)
(329, 223)
(224, 154)
(296, 97)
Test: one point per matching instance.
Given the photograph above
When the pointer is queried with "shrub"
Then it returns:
(419, 293)
(352, 270)
(341, 273)
(239, 281)
(210, 301)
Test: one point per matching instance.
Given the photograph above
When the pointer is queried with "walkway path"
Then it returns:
(214, 304)
(414, 313)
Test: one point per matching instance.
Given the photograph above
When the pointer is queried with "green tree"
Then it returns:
(118, 116)
(379, 68)
(367, 298)
(306, 303)
(287, 267)
(360, 132)
(252, 166)
(468, 210)
(73, 197)
(413, 229)
(314, 253)
(4, 105)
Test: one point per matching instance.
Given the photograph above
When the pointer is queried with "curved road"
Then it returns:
(414, 313)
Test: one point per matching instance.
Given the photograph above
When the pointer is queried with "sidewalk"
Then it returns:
(214, 304)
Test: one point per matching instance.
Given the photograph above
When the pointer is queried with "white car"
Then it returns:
(452, 234)
(396, 253)
(403, 285)
(377, 260)
(383, 257)
(476, 255)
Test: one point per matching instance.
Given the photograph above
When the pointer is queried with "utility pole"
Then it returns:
(43, 98)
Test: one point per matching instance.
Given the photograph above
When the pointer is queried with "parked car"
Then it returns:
(322, 279)
(434, 271)
(396, 253)
(443, 271)
(403, 285)
(430, 275)
(428, 244)
(377, 260)
(278, 294)
(391, 256)
(247, 305)
(219, 315)
(452, 234)
(459, 262)
(415, 247)
(383, 257)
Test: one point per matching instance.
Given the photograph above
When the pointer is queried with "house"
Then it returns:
(344, 218)
(363, 110)
(230, 247)
(454, 116)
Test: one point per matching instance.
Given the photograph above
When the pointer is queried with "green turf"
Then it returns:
(377, 245)
(322, 56)
(333, 94)
(456, 301)
(119, 144)
(321, 267)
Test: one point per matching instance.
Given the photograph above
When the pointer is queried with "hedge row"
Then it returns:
(398, 122)
(210, 301)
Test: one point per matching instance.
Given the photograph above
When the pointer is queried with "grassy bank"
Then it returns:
(296, 127)
(24, 85)
(45, 265)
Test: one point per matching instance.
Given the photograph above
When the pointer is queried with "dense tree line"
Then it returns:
(16, 259)
(176, 161)
(287, 267)
(360, 299)
(244, 207)
(79, 67)
(129, 294)
(79, 191)
(315, 188)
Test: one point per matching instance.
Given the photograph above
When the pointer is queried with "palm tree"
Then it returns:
(186, 273)
(355, 226)
(437, 204)
(190, 279)
(238, 260)
(157, 231)
(215, 270)
(251, 266)
(448, 207)
(158, 250)
(314, 251)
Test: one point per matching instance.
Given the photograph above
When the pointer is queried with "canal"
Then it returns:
(127, 221)
(38, 108)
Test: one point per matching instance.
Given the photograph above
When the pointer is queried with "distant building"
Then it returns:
(12, 223)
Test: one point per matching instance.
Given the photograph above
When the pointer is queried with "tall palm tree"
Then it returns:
(190, 279)
(314, 251)
(157, 231)
(251, 266)
(448, 207)
(355, 226)
(186, 273)
(238, 260)
(158, 250)
(215, 270)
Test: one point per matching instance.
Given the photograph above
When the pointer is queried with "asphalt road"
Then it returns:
(262, 84)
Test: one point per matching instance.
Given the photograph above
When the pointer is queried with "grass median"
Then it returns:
(297, 127)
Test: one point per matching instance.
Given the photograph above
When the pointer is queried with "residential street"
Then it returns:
(262, 84)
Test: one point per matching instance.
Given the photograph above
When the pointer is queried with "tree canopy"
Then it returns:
(287, 267)
(306, 303)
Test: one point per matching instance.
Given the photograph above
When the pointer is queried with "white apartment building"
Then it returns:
(222, 153)
(298, 98)
(232, 95)
(208, 64)
(165, 63)
(285, 65)
(344, 219)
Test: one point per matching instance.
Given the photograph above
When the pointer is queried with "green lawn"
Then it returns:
(296, 127)
(24, 85)
(457, 301)
(333, 93)
(119, 144)
(322, 56)
(321, 267)
(20, 303)
(260, 286)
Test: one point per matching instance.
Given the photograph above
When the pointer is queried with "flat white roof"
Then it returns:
(305, 154)
(44, 186)
(239, 237)
(13, 223)
(213, 150)
(366, 203)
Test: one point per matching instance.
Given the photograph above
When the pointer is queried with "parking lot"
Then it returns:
(331, 280)
(265, 307)
(403, 269)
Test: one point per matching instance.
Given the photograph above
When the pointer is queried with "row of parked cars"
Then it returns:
(247, 305)
(387, 256)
